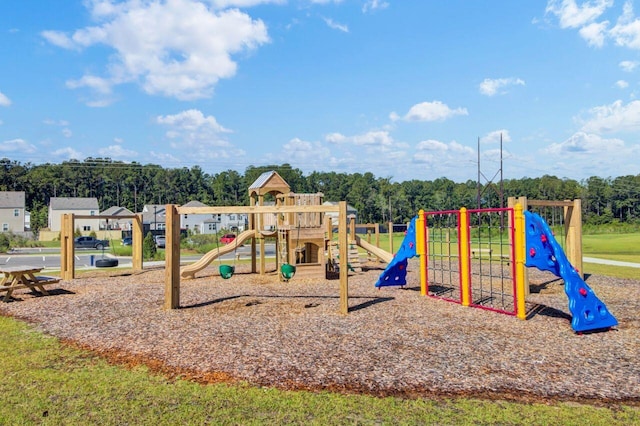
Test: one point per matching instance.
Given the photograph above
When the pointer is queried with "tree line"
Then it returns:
(377, 199)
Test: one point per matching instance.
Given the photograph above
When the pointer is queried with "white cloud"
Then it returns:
(302, 151)
(594, 33)
(572, 15)
(4, 100)
(17, 146)
(223, 4)
(583, 143)
(613, 118)
(372, 138)
(67, 133)
(117, 151)
(192, 120)
(440, 154)
(197, 136)
(176, 48)
(628, 66)
(335, 25)
(494, 136)
(371, 5)
(97, 84)
(626, 32)
(429, 111)
(68, 153)
(491, 87)
(621, 84)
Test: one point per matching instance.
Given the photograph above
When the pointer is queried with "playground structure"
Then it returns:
(172, 253)
(478, 258)
(67, 248)
(299, 232)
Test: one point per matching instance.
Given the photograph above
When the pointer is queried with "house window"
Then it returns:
(86, 228)
(16, 212)
(212, 227)
(186, 226)
(5, 227)
(232, 217)
(93, 213)
(160, 226)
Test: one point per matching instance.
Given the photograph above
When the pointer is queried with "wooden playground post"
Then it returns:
(172, 258)
(390, 231)
(343, 241)
(137, 243)
(67, 255)
(573, 231)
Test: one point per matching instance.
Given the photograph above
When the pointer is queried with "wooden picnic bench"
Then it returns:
(17, 277)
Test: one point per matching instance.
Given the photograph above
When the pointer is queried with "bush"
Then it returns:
(149, 247)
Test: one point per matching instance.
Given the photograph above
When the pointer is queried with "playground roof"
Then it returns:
(269, 182)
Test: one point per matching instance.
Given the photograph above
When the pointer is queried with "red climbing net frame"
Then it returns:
(443, 255)
(491, 260)
(489, 237)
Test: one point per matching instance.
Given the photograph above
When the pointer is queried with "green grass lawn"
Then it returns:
(47, 383)
(623, 247)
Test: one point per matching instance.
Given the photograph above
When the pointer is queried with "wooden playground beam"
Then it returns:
(67, 246)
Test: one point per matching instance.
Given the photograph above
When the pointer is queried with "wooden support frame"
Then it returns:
(67, 248)
(172, 261)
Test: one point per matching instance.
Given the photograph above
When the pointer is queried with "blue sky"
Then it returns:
(402, 89)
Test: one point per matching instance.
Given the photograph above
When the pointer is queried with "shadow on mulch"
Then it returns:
(212, 302)
(548, 311)
(369, 303)
(52, 292)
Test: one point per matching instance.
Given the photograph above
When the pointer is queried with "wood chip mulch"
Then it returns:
(255, 329)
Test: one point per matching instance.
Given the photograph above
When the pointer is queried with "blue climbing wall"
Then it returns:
(544, 252)
(396, 271)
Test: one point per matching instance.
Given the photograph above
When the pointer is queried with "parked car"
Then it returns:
(90, 242)
(160, 241)
(227, 238)
(127, 241)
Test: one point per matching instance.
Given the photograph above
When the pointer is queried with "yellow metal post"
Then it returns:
(421, 250)
(519, 244)
(465, 285)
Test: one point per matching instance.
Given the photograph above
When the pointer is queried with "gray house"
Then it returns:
(12, 212)
(76, 205)
(122, 224)
(154, 217)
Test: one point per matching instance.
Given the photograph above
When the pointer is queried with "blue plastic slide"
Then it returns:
(396, 271)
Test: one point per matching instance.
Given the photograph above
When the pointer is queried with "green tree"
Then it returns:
(149, 247)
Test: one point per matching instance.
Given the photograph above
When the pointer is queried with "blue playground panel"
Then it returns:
(543, 251)
(396, 271)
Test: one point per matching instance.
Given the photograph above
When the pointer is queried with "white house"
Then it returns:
(212, 223)
(76, 205)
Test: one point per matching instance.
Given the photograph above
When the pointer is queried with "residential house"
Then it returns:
(351, 211)
(212, 223)
(12, 211)
(121, 224)
(154, 218)
(59, 206)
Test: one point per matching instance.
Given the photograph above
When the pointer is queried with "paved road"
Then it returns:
(49, 258)
(610, 262)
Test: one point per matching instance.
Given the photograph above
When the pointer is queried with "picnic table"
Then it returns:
(17, 277)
